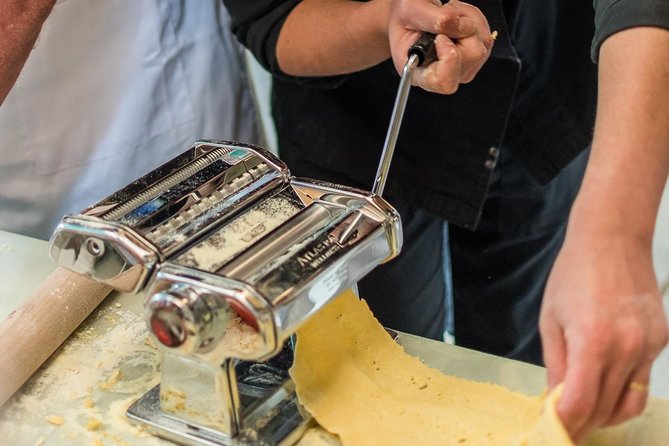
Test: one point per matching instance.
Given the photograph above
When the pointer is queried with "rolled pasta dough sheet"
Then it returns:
(360, 385)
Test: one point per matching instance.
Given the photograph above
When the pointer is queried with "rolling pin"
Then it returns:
(32, 332)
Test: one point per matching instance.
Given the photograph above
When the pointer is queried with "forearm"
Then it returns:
(333, 37)
(20, 24)
(629, 162)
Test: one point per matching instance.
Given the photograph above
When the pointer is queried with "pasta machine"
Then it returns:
(233, 253)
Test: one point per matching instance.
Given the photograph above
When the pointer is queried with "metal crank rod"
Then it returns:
(421, 53)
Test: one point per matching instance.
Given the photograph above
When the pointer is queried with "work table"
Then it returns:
(80, 395)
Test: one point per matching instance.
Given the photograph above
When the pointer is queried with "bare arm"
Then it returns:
(631, 144)
(602, 319)
(20, 24)
(330, 37)
(333, 37)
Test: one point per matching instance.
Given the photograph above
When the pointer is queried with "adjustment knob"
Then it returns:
(185, 318)
(166, 320)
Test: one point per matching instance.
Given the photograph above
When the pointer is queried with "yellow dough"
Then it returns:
(361, 385)
(548, 431)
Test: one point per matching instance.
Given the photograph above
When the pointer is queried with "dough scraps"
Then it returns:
(361, 385)
(548, 430)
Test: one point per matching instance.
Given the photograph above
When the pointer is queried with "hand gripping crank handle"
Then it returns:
(421, 53)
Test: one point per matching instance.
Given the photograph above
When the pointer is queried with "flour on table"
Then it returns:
(81, 394)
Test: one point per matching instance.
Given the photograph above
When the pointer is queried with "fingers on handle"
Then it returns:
(470, 20)
(473, 54)
(455, 19)
(443, 75)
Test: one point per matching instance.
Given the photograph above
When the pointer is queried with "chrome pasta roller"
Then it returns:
(234, 254)
(122, 239)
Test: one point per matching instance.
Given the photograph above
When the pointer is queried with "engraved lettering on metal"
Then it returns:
(317, 254)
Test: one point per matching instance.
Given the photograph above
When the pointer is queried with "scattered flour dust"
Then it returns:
(213, 252)
(82, 393)
(239, 339)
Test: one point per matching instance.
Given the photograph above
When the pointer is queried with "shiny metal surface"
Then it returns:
(395, 124)
(296, 267)
(230, 294)
(185, 318)
(220, 233)
(105, 251)
(201, 393)
(121, 239)
(275, 264)
(284, 428)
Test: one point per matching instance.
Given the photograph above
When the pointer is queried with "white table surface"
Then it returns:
(77, 384)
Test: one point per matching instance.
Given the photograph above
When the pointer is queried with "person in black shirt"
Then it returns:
(501, 156)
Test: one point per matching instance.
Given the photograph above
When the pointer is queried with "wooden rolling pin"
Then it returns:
(31, 333)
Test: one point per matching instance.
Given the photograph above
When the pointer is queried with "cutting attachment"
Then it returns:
(234, 253)
(122, 239)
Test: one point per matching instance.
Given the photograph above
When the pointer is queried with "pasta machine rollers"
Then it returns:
(233, 253)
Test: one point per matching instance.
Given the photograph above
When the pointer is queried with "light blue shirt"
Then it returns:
(111, 90)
